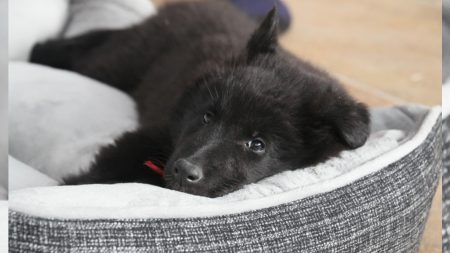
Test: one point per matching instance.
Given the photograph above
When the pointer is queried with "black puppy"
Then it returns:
(221, 105)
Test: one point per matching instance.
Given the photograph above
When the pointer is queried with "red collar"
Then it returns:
(154, 168)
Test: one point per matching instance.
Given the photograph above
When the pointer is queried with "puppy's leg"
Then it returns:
(124, 161)
(102, 55)
(66, 53)
(119, 58)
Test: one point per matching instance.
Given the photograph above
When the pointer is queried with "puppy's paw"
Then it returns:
(51, 53)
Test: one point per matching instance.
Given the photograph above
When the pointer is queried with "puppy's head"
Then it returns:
(265, 113)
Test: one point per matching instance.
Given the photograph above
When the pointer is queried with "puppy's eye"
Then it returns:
(207, 117)
(256, 145)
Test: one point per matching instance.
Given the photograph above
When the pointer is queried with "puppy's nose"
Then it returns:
(187, 171)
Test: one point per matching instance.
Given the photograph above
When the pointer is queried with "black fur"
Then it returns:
(208, 58)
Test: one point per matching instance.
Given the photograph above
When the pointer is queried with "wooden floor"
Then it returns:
(385, 51)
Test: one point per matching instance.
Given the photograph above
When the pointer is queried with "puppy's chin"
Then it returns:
(200, 191)
(187, 189)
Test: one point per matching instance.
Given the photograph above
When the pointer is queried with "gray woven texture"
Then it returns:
(383, 212)
(446, 187)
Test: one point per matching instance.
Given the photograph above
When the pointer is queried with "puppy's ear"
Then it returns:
(332, 122)
(351, 124)
(265, 39)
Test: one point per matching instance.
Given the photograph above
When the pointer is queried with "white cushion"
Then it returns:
(59, 119)
(31, 21)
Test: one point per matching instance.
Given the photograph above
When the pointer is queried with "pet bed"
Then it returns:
(373, 199)
(446, 168)
(3, 226)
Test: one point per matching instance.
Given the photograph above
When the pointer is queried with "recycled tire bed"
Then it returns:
(382, 206)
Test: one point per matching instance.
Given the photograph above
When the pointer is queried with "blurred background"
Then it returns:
(385, 52)
(446, 39)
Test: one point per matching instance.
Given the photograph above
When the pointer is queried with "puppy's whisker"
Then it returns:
(209, 90)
